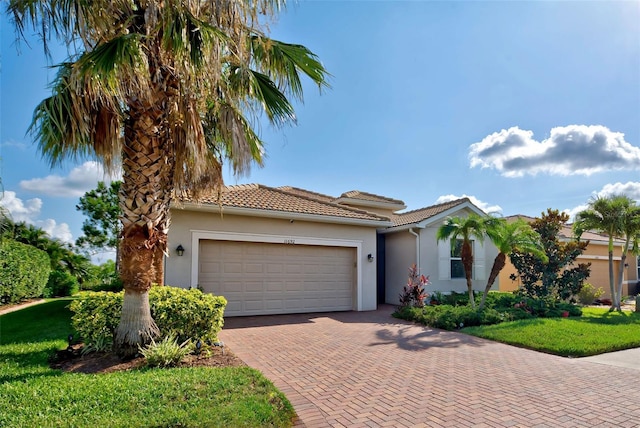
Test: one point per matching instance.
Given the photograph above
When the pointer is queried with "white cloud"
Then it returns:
(79, 181)
(29, 211)
(484, 206)
(19, 210)
(630, 189)
(13, 143)
(569, 150)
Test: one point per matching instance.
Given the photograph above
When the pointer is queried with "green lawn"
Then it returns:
(32, 394)
(596, 332)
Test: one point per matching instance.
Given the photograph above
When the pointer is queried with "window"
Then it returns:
(457, 269)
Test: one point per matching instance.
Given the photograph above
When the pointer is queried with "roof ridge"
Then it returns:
(457, 202)
(330, 203)
(287, 188)
(352, 193)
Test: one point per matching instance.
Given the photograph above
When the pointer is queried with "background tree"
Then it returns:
(616, 216)
(466, 229)
(102, 228)
(166, 89)
(509, 237)
(557, 277)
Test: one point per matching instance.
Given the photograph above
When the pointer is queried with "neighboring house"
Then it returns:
(289, 250)
(596, 253)
(412, 239)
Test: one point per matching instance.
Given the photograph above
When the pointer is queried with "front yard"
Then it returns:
(34, 394)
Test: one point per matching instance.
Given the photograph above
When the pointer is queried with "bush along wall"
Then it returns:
(24, 271)
(179, 313)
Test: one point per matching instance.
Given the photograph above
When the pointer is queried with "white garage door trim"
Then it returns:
(198, 235)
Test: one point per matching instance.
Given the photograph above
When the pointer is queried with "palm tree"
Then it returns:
(464, 228)
(631, 230)
(168, 90)
(606, 215)
(508, 237)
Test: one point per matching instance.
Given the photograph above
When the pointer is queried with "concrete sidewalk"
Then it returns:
(629, 358)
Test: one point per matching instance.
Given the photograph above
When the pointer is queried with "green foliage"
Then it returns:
(24, 271)
(187, 313)
(178, 312)
(413, 293)
(455, 312)
(166, 353)
(558, 277)
(103, 278)
(102, 227)
(96, 316)
(61, 284)
(588, 294)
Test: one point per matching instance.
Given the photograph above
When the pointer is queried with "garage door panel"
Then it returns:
(261, 278)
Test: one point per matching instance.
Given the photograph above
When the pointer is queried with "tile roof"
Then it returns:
(416, 216)
(567, 231)
(307, 193)
(287, 200)
(364, 196)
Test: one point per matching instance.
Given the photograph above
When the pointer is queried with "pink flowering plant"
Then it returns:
(413, 294)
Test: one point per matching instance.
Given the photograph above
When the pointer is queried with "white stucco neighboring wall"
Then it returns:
(189, 227)
(434, 260)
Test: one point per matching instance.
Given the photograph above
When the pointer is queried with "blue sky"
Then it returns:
(523, 106)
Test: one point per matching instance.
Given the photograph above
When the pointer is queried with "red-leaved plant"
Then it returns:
(413, 293)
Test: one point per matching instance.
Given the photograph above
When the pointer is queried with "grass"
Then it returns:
(33, 394)
(596, 332)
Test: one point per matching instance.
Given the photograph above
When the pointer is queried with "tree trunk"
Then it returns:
(498, 263)
(623, 260)
(158, 266)
(612, 286)
(148, 164)
(467, 263)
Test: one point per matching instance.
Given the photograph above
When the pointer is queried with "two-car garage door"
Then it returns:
(269, 278)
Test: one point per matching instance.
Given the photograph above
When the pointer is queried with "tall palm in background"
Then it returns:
(167, 90)
(508, 237)
(609, 216)
(466, 229)
(631, 231)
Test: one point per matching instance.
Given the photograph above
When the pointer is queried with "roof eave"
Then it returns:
(372, 204)
(254, 212)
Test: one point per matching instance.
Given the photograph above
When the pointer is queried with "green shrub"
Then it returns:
(178, 312)
(588, 294)
(167, 352)
(24, 271)
(103, 278)
(61, 284)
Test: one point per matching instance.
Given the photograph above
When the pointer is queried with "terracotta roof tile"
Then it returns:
(307, 193)
(364, 196)
(298, 201)
(416, 216)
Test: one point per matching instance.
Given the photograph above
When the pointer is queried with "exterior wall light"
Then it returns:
(180, 250)
(370, 257)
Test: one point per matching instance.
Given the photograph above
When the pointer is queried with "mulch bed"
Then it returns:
(72, 360)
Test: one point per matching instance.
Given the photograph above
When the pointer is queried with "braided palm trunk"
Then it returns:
(467, 263)
(145, 197)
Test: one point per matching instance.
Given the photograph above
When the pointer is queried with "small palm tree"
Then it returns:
(631, 230)
(464, 228)
(508, 237)
(607, 215)
(168, 90)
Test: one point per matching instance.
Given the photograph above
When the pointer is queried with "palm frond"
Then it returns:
(283, 62)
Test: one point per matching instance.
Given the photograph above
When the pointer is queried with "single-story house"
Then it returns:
(288, 250)
(596, 253)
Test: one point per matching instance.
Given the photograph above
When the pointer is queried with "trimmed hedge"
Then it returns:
(24, 271)
(178, 312)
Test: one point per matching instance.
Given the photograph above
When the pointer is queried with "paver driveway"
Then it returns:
(367, 369)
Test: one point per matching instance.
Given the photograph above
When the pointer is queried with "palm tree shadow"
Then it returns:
(406, 338)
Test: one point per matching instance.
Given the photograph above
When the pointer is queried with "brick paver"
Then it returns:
(368, 369)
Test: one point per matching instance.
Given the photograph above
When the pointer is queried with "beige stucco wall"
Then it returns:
(185, 225)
